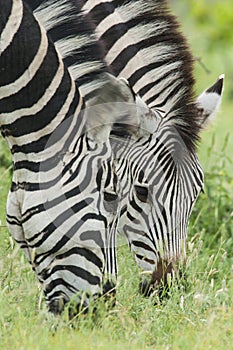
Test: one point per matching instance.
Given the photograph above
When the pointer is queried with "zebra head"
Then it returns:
(157, 166)
(68, 187)
(160, 178)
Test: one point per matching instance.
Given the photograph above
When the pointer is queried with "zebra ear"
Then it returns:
(209, 101)
(145, 120)
(149, 119)
(113, 102)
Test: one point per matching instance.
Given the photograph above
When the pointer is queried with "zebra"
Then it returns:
(58, 295)
(58, 207)
(143, 44)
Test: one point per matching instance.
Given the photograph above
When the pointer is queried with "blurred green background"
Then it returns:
(208, 27)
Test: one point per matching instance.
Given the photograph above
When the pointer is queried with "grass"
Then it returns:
(197, 317)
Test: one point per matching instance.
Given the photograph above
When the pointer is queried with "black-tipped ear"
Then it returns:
(217, 87)
(209, 101)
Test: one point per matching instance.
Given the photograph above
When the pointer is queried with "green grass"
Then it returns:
(199, 316)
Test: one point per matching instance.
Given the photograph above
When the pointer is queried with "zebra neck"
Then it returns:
(40, 103)
(73, 36)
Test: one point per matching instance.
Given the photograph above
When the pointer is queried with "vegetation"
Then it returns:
(199, 312)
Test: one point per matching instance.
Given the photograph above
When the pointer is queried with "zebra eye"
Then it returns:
(110, 197)
(110, 201)
(141, 193)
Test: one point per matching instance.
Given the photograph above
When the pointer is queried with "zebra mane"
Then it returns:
(144, 44)
(73, 35)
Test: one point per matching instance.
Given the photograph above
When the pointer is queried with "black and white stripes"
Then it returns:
(74, 38)
(160, 175)
(74, 184)
(62, 179)
(143, 44)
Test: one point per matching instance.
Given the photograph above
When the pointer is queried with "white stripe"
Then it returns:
(49, 151)
(139, 60)
(132, 37)
(91, 4)
(125, 13)
(67, 46)
(80, 69)
(70, 260)
(134, 7)
(71, 44)
(54, 123)
(12, 25)
(91, 86)
(49, 13)
(27, 76)
(172, 99)
(21, 174)
(155, 74)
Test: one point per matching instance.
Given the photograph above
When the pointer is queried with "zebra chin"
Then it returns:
(82, 303)
(166, 274)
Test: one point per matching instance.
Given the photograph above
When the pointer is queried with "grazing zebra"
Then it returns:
(65, 182)
(59, 206)
(159, 172)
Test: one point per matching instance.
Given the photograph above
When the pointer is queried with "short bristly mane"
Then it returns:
(144, 44)
(73, 36)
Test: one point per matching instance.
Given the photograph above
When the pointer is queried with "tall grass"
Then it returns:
(199, 311)
(197, 315)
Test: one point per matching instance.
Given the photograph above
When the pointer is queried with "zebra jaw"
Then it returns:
(208, 103)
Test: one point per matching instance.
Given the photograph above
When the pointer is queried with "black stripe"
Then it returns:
(75, 24)
(57, 282)
(78, 272)
(33, 4)
(24, 47)
(5, 12)
(70, 233)
(143, 245)
(35, 89)
(58, 221)
(28, 124)
(87, 253)
(142, 257)
(139, 73)
(101, 11)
